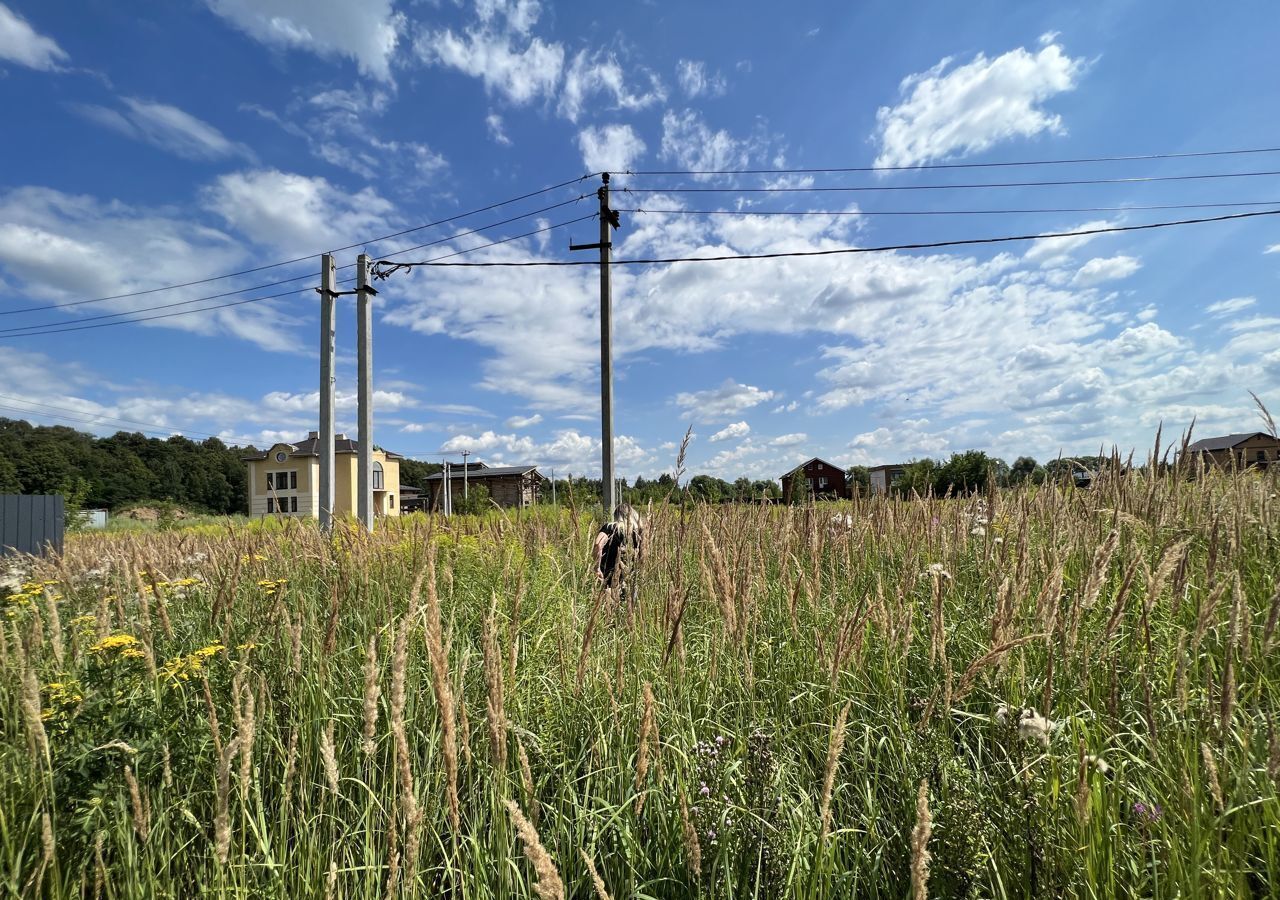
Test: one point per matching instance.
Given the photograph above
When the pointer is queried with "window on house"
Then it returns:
(271, 481)
(293, 482)
(271, 504)
(377, 476)
(808, 483)
(822, 482)
(1261, 457)
(293, 504)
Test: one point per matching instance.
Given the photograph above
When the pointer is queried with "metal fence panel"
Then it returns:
(32, 524)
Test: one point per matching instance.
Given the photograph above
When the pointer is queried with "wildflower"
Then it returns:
(978, 531)
(132, 653)
(212, 649)
(1031, 725)
(704, 790)
(1147, 812)
(1098, 763)
(936, 570)
(248, 645)
(115, 642)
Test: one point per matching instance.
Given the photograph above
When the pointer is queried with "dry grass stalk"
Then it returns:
(290, 769)
(1273, 619)
(1083, 792)
(372, 691)
(1205, 619)
(141, 821)
(99, 865)
(526, 779)
(648, 729)
(439, 656)
(920, 845)
(990, 658)
(55, 628)
(692, 848)
(834, 750)
(222, 813)
(331, 883)
(329, 759)
(596, 881)
(548, 885)
(399, 665)
(495, 688)
(247, 729)
(1273, 750)
(38, 738)
(1211, 777)
(1099, 570)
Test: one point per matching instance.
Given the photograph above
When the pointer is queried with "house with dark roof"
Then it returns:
(284, 479)
(511, 487)
(1252, 449)
(816, 478)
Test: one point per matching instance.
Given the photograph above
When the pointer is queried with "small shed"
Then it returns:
(32, 524)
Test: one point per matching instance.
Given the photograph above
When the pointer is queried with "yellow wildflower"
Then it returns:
(115, 642)
(206, 652)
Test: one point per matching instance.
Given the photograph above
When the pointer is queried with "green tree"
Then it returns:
(918, 477)
(859, 480)
(964, 473)
(1022, 470)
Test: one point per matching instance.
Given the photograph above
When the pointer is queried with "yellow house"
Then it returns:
(285, 479)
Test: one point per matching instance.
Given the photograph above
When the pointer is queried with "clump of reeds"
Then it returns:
(439, 657)
(372, 691)
(647, 737)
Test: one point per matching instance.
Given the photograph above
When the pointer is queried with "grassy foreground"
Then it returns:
(1044, 693)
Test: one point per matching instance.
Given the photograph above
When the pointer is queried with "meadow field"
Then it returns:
(1040, 692)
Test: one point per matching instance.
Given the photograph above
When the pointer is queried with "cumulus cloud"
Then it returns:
(729, 399)
(297, 214)
(167, 127)
(567, 451)
(366, 32)
(731, 431)
(600, 73)
(609, 148)
(499, 50)
(689, 141)
(789, 440)
(22, 44)
(1101, 269)
(518, 422)
(947, 112)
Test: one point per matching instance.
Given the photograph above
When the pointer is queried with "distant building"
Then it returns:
(285, 479)
(1255, 449)
(822, 480)
(511, 487)
(93, 518)
(885, 477)
(412, 499)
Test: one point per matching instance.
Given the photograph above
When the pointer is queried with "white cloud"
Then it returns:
(365, 31)
(1055, 250)
(1227, 307)
(696, 82)
(789, 440)
(22, 44)
(947, 112)
(166, 127)
(609, 148)
(519, 422)
(727, 400)
(297, 214)
(1101, 269)
(493, 122)
(1274, 248)
(787, 407)
(567, 451)
(689, 141)
(590, 74)
(731, 431)
(499, 51)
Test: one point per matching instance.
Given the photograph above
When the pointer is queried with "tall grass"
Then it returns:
(791, 706)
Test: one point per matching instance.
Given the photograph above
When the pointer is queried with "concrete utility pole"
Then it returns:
(364, 399)
(328, 300)
(446, 480)
(608, 219)
(465, 454)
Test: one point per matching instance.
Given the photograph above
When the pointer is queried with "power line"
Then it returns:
(943, 212)
(393, 267)
(27, 330)
(845, 250)
(987, 165)
(942, 187)
(288, 262)
(131, 312)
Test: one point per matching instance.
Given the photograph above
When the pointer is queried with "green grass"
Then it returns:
(783, 621)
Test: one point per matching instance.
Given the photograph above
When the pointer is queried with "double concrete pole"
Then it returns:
(328, 384)
(607, 484)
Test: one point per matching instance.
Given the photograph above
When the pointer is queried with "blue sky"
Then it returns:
(156, 143)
